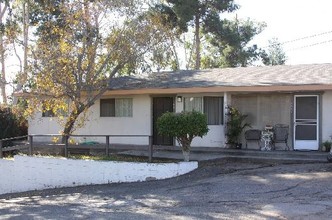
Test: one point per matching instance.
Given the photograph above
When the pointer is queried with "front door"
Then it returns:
(160, 106)
(306, 122)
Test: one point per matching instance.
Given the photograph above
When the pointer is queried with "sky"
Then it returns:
(290, 20)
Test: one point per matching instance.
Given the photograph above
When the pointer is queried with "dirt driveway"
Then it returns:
(217, 190)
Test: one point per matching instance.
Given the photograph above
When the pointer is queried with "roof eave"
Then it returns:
(218, 89)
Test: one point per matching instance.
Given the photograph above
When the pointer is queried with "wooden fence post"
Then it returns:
(107, 145)
(150, 149)
(66, 145)
(30, 144)
(1, 154)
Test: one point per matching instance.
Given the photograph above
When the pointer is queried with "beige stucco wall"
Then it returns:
(262, 109)
(215, 136)
(265, 109)
(139, 124)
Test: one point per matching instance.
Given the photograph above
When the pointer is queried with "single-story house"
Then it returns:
(299, 96)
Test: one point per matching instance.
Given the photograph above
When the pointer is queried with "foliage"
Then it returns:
(229, 44)
(80, 46)
(184, 126)
(275, 54)
(4, 38)
(327, 145)
(235, 125)
(202, 15)
(12, 124)
(164, 54)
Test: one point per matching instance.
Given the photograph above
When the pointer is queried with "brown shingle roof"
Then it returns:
(306, 74)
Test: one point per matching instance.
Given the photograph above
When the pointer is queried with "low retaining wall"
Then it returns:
(26, 173)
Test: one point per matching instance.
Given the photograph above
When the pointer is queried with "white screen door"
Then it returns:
(306, 122)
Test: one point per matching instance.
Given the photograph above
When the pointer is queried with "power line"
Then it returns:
(304, 38)
(307, 37)
(310, 45)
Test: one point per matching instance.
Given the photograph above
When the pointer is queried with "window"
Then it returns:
(193, 103)
(116, 107)
(213, 108)
(48, 113)
(210, 105)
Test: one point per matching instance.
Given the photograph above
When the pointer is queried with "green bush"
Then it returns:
(184, 126)
(235, 126)
(12, 123)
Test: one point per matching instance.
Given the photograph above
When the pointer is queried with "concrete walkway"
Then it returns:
(205, 153)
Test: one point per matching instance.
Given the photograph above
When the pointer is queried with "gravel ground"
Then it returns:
(217, 190)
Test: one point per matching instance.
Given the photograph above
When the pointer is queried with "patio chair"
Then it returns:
(252, 135)
(280, 135)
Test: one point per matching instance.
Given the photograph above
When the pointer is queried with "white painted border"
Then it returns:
(26, 173)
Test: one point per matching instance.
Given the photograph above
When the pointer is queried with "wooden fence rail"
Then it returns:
(11, 148)
(30, 144)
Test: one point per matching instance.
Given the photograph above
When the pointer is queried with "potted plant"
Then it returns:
(184, 126)
(327, 146)
(235, 126)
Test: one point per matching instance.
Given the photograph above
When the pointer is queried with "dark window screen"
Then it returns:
(107, 107)
(306, 132)
(213, 108)
(306, 108)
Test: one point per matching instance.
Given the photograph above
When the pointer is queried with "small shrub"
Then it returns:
(184, 126)
(12, 123)
(235, 126)
(327, 145)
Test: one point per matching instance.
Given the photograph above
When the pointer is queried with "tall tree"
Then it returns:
(19, 39)
(200, 14)
(228, 45)
(275, 54)
(4, 6)
(81, 46)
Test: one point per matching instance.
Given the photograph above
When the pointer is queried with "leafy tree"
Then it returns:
(20, 38)
(228, 46)
(4, 9)
(165, 53)
(80, 47)
(14, 19)
(275, 54)
(184, 126)
(203, 15)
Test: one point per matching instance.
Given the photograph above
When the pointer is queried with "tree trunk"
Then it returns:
(185, 144)
(2, 58)
(24, 75)
(3, 71)
(186, 155)
(175, 53)
(198, 43)
(68, 129)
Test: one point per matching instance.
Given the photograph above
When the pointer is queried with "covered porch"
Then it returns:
(298, 114)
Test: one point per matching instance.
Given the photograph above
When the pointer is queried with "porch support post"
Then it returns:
(30, 145)
(227, 103)
(1, 154)
(107, 145)
(66, 145)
